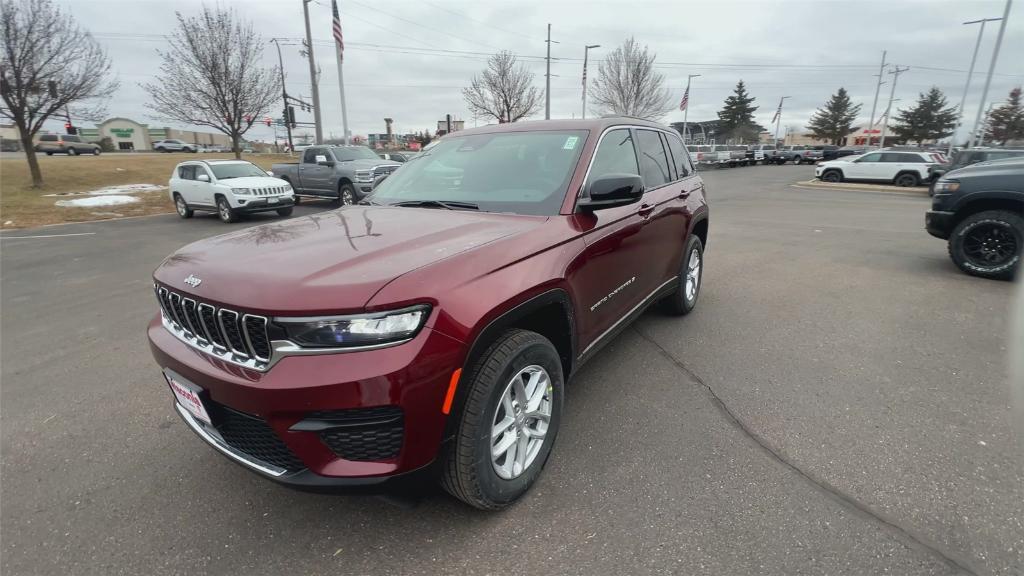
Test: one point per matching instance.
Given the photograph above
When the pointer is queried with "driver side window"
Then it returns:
(309, 156)
(614, 155)
(875, 157)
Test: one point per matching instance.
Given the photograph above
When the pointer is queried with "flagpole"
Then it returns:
(686, 111)
(339, 49)
(778, 121)
(341, 88)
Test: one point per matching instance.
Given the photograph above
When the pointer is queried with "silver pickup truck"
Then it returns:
(342, 173)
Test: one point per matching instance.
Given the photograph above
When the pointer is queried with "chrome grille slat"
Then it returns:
(230, 335)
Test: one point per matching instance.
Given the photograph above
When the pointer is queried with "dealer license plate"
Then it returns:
(188, 397)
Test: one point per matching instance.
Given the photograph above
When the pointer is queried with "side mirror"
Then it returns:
(270, 172)
(612, 190)
(203, 178)
(322, 160)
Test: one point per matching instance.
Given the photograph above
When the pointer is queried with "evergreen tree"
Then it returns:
(930, 119)
(1006, 122)
(736, 119)
(834, 121)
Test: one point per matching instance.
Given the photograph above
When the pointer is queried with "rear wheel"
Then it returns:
(798, 160)
(95, 151)
(72, 152)
(684, 298)
(509, 421)
(832, 176)
(988, 244)
(183, 210)
(906, 179)
(224, 211)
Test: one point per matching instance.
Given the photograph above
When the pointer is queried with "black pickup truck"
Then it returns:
(980, 211)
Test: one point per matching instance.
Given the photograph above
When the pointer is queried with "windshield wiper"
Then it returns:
(446, 204)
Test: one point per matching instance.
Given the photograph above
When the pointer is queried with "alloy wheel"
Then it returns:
(990, 244)
(520, 422)
(180, 205)
(692, 276)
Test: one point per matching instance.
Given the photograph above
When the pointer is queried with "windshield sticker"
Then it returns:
(570, 142)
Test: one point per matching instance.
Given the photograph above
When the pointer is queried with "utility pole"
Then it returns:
(547, 78)
(991, 67)
(284, 98)
(888, 110)
(686, 110)
(586, 50)
(874, 105)
(312, 75)
(967, 84)
(778, 121)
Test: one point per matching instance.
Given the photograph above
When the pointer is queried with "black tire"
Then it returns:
(285, 211)
(181, 207)
(49, 153)
(680, 302)
(832, 176)
(906, 179)
(988, 244)
(224, 211)
(298, 199)
(467, 471)
(346, 195)
(798, 160)
(72, 152)
(95, 151)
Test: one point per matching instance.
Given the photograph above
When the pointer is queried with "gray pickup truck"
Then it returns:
(342, 173)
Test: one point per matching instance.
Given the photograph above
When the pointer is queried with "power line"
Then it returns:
(520, 34)
(415, 23)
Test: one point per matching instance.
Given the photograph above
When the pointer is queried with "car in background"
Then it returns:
(400, 157)
(173, 145)
(979, 210)
(901, 168)
(963, 158)
(70, 144)
(798, 154)
(764, 153)
(701, 154)
(344, 174)
(228, 187)
(737, 155)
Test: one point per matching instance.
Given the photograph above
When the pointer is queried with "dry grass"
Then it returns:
(26, 207)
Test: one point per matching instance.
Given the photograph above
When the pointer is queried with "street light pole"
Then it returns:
(874, 105)
(967, 84)
(991, 68)
(778, 121)
(888, 109)
(312, 76)
(547, 79)
(284, 98)
(686, 111)
(586, 50)
(985, 124)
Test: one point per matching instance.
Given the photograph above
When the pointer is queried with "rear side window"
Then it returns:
(653, 162)
(187, 172)
(48, 138)
(72, 138)
(679, 157)
(615, 155)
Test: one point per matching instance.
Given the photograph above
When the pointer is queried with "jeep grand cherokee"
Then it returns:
(433, 326)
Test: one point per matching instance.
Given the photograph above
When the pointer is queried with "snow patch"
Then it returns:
(93, 201)
(120, 189)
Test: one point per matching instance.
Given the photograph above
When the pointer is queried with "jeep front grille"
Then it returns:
(269, 191)
(227, 334)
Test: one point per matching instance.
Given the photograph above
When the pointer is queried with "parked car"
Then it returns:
(174, 146)
(798, 155)
(229, 188)
(899, 168)
(702, 155)
(721, 155)
(763, 153)
(737, 155)
(964, 158)
(342, 173)
(847, 151)
(70, 144)
(400, 157)
(979, 210)
(434, 327)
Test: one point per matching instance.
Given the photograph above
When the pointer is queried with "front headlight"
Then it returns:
(364, 176)
(241, 191)
(946, 186)
(355, 330)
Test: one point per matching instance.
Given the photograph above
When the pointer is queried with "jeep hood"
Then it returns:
(329, 262)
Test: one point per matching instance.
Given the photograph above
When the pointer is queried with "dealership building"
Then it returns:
(126, 134)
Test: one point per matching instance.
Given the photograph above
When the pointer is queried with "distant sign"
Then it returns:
(122, 132)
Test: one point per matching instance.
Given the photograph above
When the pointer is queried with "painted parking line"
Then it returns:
(3, 237)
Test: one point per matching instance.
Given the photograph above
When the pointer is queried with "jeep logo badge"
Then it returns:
(192, 281)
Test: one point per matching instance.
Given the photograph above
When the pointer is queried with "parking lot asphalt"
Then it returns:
(835, 405)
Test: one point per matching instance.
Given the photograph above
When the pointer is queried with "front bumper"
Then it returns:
(262, 204)
(412, 377)
(939, 223)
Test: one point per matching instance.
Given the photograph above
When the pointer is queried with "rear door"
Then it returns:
(186, 183)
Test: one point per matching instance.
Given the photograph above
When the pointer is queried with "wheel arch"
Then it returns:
(912, 172)
(980, 202)
(699, 228)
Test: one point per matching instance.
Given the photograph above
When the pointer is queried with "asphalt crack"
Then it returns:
(860, 509)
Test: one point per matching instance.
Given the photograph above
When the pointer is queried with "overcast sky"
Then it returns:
(409, 60)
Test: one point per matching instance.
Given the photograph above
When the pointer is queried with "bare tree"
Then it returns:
(627, 84)
(504, 91)
(47, 64)
(211, 75)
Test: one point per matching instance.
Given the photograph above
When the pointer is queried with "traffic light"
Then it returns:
(69, 128)
(291, 116)
(267, 120)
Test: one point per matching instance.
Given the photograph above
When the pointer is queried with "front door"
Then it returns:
(865, 168)
(313, 176)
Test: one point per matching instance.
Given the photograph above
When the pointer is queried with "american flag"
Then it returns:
(778, 113)
(339, 40)
(686, 99)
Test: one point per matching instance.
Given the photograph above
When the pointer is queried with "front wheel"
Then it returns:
(72, 152)
(95, 151)
(285, 211)
(224, 211)
(683, 299)
(988, 244)
(832, 176)
(346, 195)
(508, 422)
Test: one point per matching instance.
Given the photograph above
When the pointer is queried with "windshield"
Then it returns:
(520, 172)
(349, 153)
(235, 170)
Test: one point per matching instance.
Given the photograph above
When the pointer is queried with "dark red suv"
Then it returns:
(434, 326)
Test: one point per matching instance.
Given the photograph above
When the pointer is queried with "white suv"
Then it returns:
(229, 188)
(902, 168)
(174, 146)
